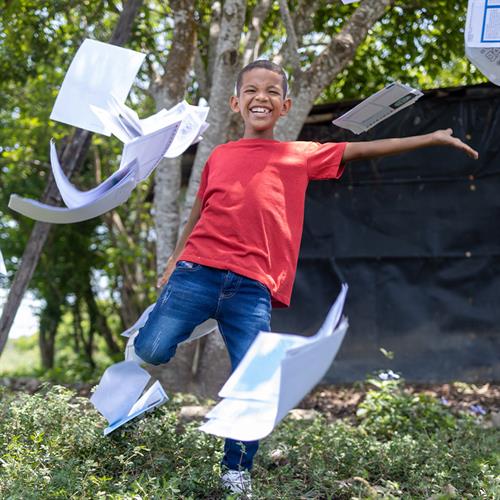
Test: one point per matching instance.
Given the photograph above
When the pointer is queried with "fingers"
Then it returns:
(472, 153)
(163, 279)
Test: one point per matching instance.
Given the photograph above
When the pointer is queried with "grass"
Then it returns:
(402, 446)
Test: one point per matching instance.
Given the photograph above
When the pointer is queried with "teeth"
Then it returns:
(260, 110)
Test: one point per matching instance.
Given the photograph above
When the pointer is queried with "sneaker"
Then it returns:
(238, 482)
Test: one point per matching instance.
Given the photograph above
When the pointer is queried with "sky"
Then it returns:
(26, 322)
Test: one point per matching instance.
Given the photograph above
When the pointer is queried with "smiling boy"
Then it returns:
(238, 253)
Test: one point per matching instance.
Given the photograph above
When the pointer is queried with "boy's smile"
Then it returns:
(260, 102)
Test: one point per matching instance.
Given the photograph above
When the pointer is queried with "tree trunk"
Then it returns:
(98, 321)
(49, 321)
(168, 91)
(72, 159)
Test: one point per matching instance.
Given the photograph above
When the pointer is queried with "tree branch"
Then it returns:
(291, 37)
(252, 39)
(329, 64)
(213, 40)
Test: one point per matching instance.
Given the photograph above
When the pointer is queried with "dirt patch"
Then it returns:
(341, 401)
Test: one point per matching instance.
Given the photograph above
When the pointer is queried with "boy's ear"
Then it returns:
(287, 104)
(234, 103)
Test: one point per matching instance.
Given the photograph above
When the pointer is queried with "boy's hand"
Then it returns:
(168, 271)
(445, 138)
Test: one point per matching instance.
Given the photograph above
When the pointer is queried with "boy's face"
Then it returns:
(261, 102)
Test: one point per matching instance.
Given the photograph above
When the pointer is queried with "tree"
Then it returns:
(195, 49)
(72, 157)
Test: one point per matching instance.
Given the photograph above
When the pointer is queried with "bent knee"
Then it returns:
(151, 353)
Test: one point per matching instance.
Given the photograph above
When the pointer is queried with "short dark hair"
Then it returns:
(263, 63)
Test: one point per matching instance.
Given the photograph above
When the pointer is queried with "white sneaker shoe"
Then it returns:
(238, 482)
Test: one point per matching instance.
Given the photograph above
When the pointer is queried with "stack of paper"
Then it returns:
(120, 395)
(482, 37)
(276, 373)
(92, 97)
(124, 123)
(378, 107)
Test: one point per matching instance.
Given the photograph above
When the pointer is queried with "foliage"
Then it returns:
(52, 447)
(413, 42)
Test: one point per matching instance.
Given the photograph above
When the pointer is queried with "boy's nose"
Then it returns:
(261, 96)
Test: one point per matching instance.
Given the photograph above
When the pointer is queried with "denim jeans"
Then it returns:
(194, 293)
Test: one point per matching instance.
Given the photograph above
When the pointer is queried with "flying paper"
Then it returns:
(482, 27)
(113, 197)
(139, 158)
(482, 37)
(275, 374)
(124, 123)
(97, 71)
(118, 396)
(378, 107)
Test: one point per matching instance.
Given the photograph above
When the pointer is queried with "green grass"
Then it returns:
(403, 446)
(20, 357)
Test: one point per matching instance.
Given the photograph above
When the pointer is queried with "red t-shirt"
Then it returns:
(252, 193)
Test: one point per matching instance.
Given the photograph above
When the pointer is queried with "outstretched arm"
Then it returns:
(387, 147)
(191, 222)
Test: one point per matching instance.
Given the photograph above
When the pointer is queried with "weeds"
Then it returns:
(404, 446)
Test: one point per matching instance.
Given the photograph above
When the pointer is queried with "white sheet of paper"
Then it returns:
(119, 388)
(304, 368)
(253, 420)
(258, 374)
(378, 107)
(275, 374)
(74, 197)
(128, 116)
(248, 420)
(112, 123)
(482, 27)
(97, 71)
(149, 149)
(3, 269)
(486, 60)
(111, 199)
(152, 398)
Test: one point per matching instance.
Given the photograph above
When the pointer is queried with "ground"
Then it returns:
(341, 401)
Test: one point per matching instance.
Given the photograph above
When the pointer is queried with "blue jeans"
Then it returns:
(194, 293)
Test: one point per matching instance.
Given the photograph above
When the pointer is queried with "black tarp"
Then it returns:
(416, 237)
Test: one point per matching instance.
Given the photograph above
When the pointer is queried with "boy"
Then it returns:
(238, 253)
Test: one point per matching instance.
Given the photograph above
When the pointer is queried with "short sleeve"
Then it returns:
(324, 161)
(203, 181)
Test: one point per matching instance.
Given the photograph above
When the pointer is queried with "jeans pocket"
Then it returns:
(185, 265)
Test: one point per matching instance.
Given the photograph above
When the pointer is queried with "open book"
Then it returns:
(275, 374)
(120, 395)
(378, 107)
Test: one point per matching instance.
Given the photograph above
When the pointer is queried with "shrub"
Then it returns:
(51, 446)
